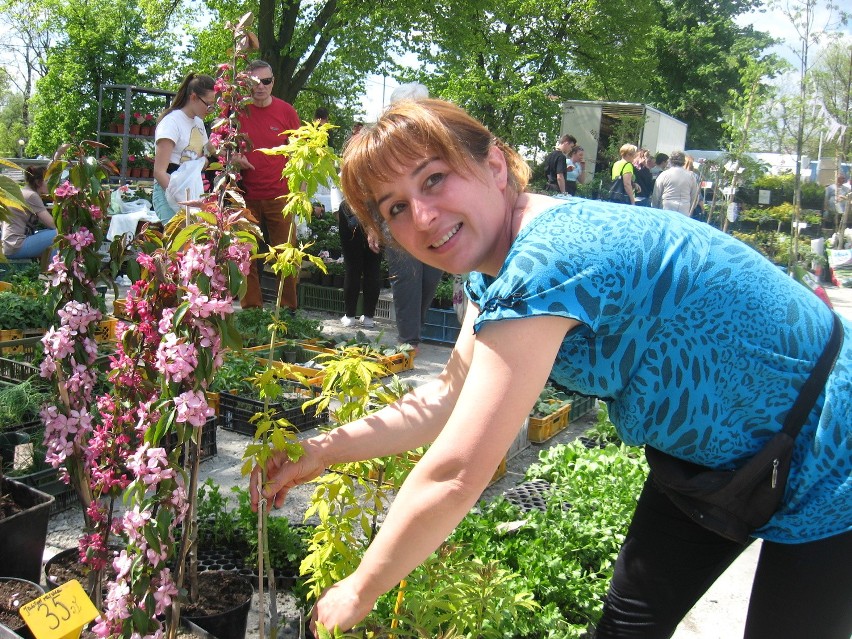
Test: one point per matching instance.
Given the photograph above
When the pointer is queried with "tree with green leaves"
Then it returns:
(27, 42)
(12, 121)
(511, 63)
(832, 78)
(98, 42)
(698, 53)
(320, 52)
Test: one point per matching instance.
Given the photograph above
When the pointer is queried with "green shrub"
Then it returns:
(24, 311)
(781, 190)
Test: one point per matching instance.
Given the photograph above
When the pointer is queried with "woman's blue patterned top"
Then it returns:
(697, 343)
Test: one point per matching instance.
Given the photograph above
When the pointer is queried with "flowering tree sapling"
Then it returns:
(136, 437)
(80, 433)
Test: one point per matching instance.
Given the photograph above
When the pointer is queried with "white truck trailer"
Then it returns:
(593, 124)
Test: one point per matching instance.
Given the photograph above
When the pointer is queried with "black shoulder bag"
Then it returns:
(733, 503)
(617, 192)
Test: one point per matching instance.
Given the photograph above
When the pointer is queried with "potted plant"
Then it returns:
(146, 126)
(117, 125)
(14, 594)
(136, 123)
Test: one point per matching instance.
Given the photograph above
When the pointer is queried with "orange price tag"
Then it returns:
(61, 613)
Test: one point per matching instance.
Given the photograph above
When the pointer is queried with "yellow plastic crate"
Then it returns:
(543, 428)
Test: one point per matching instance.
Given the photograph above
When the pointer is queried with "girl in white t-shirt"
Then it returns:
(180, 136)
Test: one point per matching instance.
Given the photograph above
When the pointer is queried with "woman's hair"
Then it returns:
(34, 175)
(627, 149)
(410, 131)
(192, 83)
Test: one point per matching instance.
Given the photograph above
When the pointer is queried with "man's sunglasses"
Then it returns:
(265, 81)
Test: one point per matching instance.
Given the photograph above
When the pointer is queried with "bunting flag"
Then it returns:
(834, 129)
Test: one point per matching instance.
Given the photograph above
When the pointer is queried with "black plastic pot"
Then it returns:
(23, 535)
(230, 624)
(20, 630)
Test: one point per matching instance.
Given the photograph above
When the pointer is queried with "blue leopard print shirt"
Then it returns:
(697, 343)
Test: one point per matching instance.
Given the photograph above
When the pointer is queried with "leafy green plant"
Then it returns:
(564, 554)
(603, 432)
(549, 401)
(24, 311)
(234, 376)
(454, 593)
(217, 524)
(444, 293)
(21, 402)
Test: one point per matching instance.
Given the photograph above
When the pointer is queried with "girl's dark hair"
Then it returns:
(34, 175)
(192, 83)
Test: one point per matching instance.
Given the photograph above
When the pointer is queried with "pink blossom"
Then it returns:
(165, 591)
(176, 359)
(81, 238)
(240, 253)
(57, 342)
(192, 408)
(78, 315)
(151, 465)
(95, 211)
(57, 271)
(201, 305)
(145, 261)
(66, 190)
(197, 259)
(165, 324)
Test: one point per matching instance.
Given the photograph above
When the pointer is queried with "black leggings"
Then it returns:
(667, 562)
(362, 267)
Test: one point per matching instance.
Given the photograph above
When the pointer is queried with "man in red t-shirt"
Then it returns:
(266, 119)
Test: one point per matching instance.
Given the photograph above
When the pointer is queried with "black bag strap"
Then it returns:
(816, 381)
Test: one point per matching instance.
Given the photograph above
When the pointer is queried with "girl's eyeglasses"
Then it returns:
(210, 107)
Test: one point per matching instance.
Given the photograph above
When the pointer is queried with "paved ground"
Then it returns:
(720, 614)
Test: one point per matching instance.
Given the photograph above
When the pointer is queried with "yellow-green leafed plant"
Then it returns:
(10, 192)
(311, 163)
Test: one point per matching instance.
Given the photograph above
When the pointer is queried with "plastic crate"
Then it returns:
(208, 440)
(119, 308)
(105, 330)
(442, 325)
(235, 413)
(321, 298)
(47, 481)
(581, 405)
(543, 428)
(14, 371)
(521, 442)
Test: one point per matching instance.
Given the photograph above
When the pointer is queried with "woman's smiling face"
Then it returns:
(452, 221)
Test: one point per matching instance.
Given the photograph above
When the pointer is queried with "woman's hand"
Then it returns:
(283, 474)
(373, 241)
(342, 606)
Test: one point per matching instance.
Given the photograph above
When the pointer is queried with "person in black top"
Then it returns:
(643, 177)
(556, 163)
